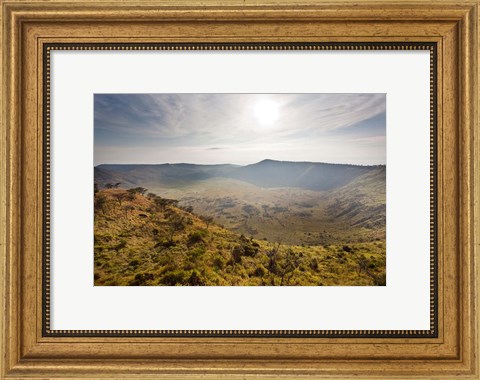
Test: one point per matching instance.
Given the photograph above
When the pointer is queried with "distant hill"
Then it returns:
(304, 175)
(165, 174)
(103, 175)
(266, 174)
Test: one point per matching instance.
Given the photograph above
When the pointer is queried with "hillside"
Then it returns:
(304, 175)
(362, 202)
(144, 239)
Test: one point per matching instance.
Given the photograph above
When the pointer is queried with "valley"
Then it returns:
(314, 209)
(257, 206)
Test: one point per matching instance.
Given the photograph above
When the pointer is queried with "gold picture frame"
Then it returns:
(32, 29)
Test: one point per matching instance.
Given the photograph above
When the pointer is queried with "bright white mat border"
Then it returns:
(402, 305)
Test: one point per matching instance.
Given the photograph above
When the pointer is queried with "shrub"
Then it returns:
(249, 250)
(219, 262)
(314, 264)
(207, 220)
(246, 248)
(380, 280)
(188, 209)
(133, 263)
(260, 271)
(196, 237)
(197, 252)
(237, 253)
(249, 209)
(173, 278)
(165, 244)
(142, 279)
(195, 279)
(122, 244)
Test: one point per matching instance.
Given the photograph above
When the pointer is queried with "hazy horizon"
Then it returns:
(230, 163)
(239, 129)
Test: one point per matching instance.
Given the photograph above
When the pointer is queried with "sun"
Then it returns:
(266, 111)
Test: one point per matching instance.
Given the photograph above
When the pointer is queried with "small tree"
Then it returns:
(163, 203)
(130, 196)
(290, 261)
(172, 202)
(282, 264)
(188, 209)
(175, 224)
(138, 190)
(363, 264)
(207, 220)
(100, 203)
(272, 267)
(237, 253)
(120, 197)
(127, 209)
(265, 210)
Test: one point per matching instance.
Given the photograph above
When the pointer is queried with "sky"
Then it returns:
(239, 128)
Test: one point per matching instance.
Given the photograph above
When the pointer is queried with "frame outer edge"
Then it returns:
(9, 190)
(3, 194)
(471, 93)
(476, 187)
(469, 190)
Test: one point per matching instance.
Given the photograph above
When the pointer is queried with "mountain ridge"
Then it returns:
(265, 160)
(267, 173)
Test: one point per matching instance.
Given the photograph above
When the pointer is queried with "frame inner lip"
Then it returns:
(336, 46)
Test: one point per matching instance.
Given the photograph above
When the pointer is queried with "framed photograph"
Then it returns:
(203, 221)
(239, 190)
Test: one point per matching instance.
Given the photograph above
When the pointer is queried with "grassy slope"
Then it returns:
(134, 246)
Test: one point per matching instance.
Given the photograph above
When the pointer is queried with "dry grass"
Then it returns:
(141, 240)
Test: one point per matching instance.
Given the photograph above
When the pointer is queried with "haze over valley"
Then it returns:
(293, 202)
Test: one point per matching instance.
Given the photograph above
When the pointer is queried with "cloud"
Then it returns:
(211, 122)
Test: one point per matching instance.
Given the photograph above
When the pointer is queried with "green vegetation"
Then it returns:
(143, 239)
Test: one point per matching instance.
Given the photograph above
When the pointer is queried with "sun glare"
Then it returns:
(266, 112)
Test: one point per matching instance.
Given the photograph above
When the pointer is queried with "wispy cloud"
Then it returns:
(213, 122)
